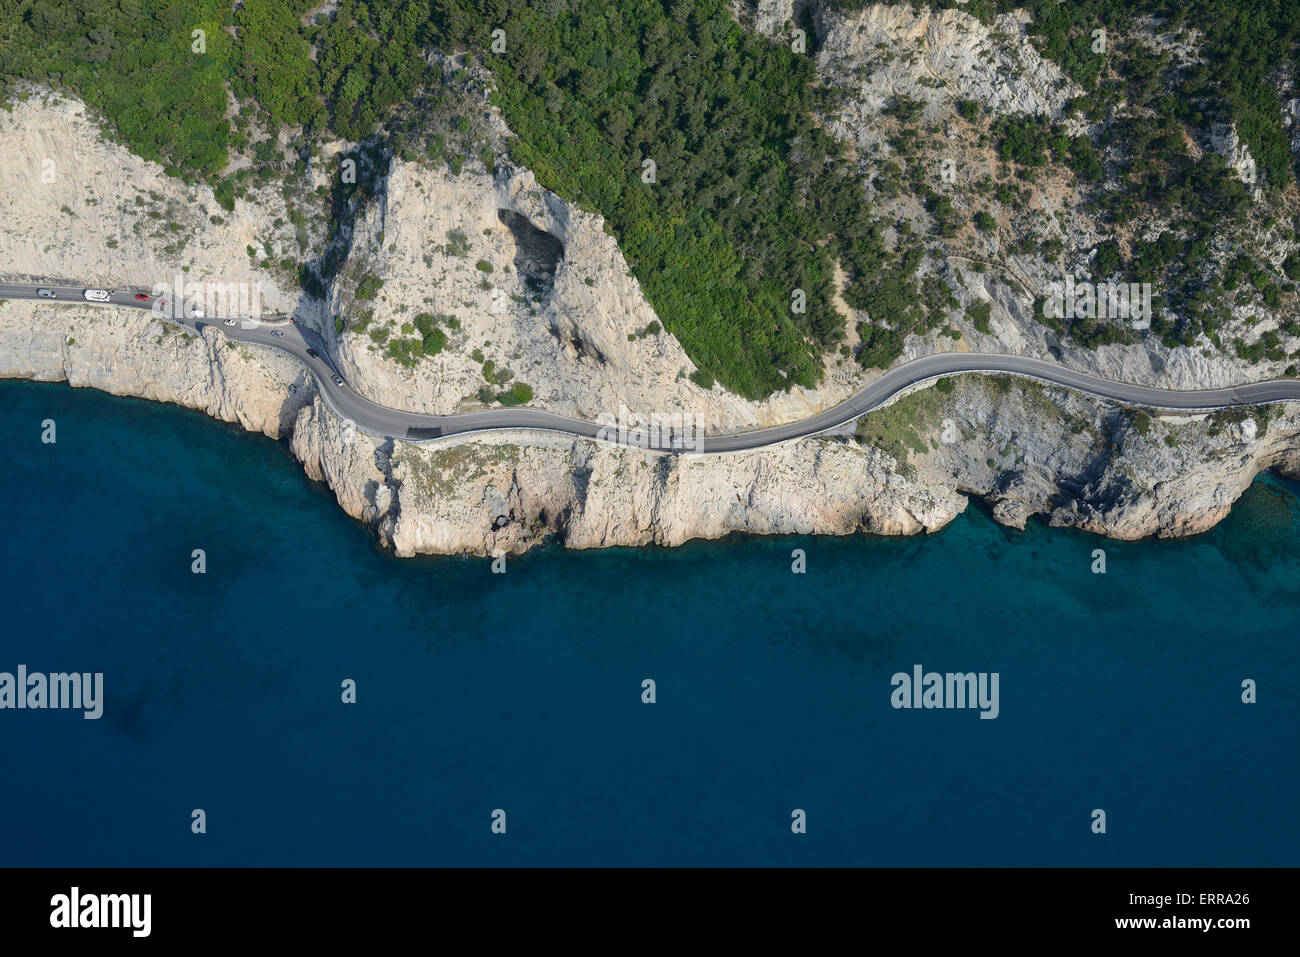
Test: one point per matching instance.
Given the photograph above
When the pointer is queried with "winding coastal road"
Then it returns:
(309, 350)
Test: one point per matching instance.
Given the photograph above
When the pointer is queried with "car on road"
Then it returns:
(141, 297)
(337, 379)
(97, 295)
(313, 353)
(197, 313)
(46, 293)
(229, 322)
(277, 332)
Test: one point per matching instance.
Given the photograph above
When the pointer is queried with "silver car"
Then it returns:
(46, 293)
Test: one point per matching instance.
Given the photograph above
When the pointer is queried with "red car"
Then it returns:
(142, 297)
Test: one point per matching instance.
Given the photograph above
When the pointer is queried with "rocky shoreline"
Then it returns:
(563, 313)
(1025, 449)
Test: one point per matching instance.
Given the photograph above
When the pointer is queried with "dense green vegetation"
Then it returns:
(1033, 141)
(749, 200)
(164, 89)
(133, 62)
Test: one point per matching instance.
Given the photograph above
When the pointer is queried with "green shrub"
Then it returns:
(457, 244)
(517, 394)
(224, 192)
(434, 342)
(880, 346)
(904, 108)
(977, 314)
(1107, 259)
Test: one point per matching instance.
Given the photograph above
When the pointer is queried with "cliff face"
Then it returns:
(519, 489)
(1026, 449)
(127, 353)
(79, 208)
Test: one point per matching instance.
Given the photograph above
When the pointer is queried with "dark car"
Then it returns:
(313, 353)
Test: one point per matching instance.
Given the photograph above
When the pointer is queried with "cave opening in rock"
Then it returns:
(537, 253)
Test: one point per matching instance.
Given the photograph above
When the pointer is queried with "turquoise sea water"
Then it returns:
(523, 692)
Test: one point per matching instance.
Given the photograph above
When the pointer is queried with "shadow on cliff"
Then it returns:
(360, 178)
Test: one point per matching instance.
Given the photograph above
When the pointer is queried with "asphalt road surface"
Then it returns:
(410, 426)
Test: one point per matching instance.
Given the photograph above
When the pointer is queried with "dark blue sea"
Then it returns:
(522, 692)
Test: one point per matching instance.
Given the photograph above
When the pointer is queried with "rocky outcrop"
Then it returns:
(887, 50)
(883, 51)
(1030, 449)
(509, 495)
(1223, 139)
(1026, 449)
(769, 16)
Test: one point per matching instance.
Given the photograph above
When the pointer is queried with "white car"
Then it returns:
(97, 295)
(197, 313)
(230, 322)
